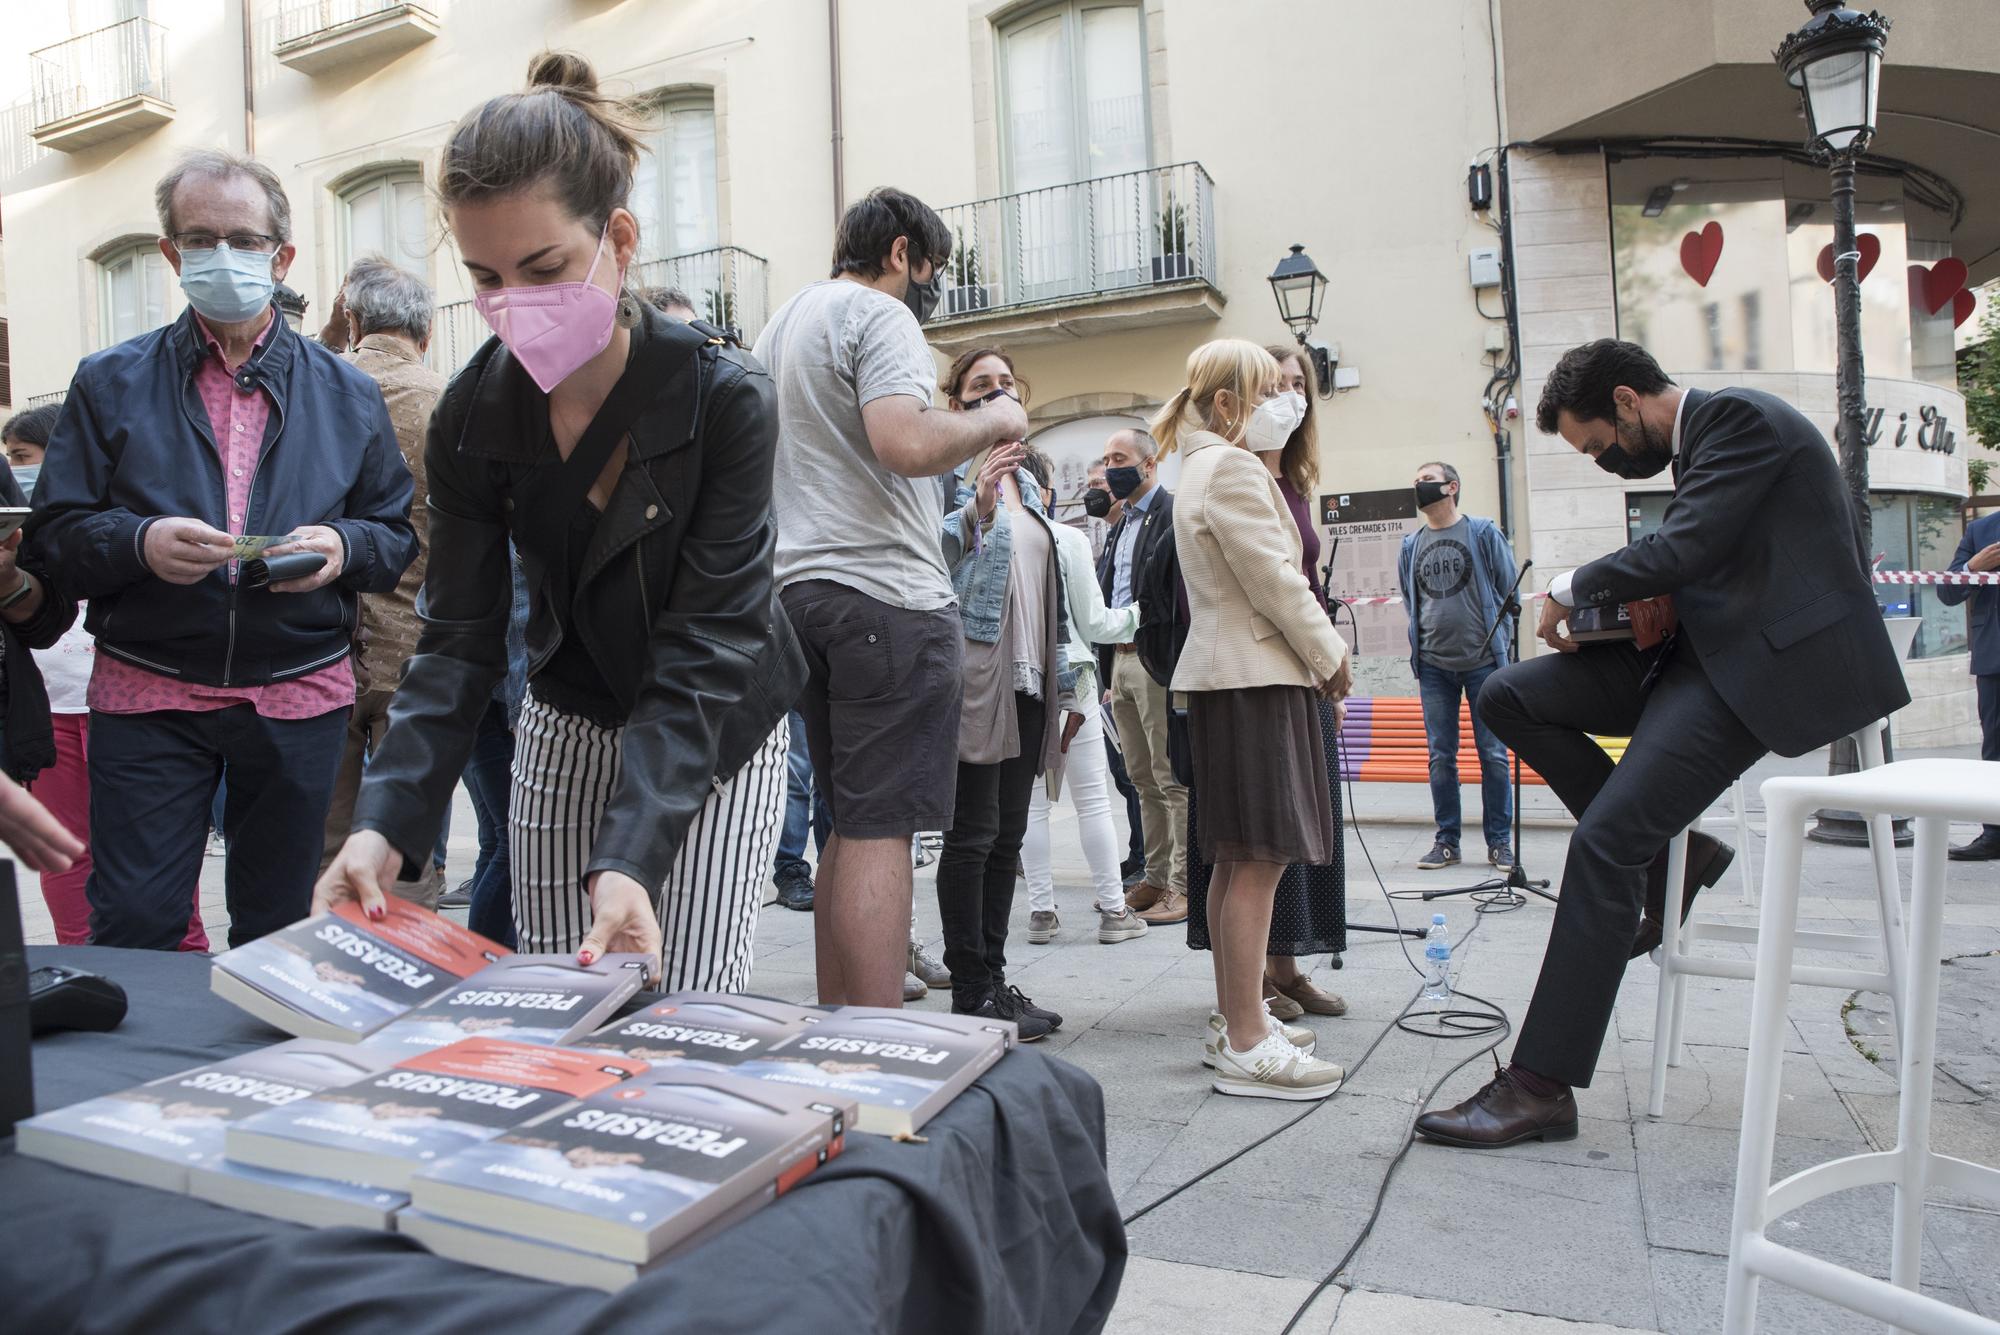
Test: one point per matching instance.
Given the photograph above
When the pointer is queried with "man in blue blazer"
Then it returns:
(1979, 550)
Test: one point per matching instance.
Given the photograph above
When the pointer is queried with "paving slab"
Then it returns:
(1367, 1312)
(1171, 1296)
(1706, 1089)
(1499, 1230)
(1689, 1288)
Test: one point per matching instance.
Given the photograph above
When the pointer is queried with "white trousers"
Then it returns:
(1087, 782)
(565, 769)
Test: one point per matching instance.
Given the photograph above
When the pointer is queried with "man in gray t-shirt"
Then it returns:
(1456, 572)
(860, 506)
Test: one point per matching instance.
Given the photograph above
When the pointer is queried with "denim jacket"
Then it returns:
(979, 570)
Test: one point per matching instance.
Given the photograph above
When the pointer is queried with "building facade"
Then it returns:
(1121, 177)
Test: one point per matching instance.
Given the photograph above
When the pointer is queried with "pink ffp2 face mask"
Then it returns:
(556, 327)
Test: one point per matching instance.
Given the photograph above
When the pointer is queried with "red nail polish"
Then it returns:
(584, 957)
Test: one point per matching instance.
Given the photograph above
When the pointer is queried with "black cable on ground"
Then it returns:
(1491, 1022)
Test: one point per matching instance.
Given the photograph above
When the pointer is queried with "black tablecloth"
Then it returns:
(1003, 1222)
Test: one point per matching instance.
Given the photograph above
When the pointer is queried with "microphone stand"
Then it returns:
(1508, 889)
(1325, 579)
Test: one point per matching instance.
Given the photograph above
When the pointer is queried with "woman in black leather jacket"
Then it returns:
(649, 780)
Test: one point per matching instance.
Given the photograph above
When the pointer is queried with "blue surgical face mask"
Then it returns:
(227, 286)
(25, 476)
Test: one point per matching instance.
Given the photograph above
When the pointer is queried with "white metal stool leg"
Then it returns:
(1670, 997)
(1784, 841)
(1743, 844)
(1917, 1049)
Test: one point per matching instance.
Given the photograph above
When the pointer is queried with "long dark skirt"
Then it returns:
(1309, 915)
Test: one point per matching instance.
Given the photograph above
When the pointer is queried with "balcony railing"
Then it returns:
(98, 71)
(37, 400)
(1090, 238)
(728, 285)
(318, 35)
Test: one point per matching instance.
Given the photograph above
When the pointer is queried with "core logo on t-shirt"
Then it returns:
(1444, 568)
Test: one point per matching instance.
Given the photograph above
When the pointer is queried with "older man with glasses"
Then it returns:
(184, 460)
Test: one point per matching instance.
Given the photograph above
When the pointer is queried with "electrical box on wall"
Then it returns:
(1484, 266)
(1347, 377)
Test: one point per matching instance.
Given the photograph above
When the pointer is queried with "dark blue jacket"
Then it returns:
(1982, 621)
(134, 444)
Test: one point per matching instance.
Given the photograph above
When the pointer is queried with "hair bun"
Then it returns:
(562, 70)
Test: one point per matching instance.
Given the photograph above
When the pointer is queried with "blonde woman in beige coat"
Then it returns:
(1258, 647)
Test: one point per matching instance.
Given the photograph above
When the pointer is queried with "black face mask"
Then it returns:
(1097, 502)
(922, 298)
(1430, 493)
(1122, 481)
(1615, 458)
(971, 405)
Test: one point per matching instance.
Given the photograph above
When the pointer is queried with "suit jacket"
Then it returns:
(1982, 621)
(1256, 621)
(1758, 549)
(1156, 525)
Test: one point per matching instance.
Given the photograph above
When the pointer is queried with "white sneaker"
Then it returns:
(1120, 926)
(1274, 1069)
(1299, 1037)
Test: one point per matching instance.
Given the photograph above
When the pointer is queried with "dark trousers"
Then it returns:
(489, 780)
(975, 879)
(1687, 748)
(1137, 850)
(152, 777)
(1989, 728)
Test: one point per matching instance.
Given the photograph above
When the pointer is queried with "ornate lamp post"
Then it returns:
(1300, 288)
(1835, 61)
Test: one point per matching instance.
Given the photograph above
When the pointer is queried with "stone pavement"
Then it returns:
(1624, 1228)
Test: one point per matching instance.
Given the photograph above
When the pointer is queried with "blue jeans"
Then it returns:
(489, 780)
(791, 859)
(1441, 688)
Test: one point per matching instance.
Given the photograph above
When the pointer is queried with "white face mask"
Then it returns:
(1274, 421)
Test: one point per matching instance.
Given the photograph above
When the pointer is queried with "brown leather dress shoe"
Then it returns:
(1502, 1113)
(1170, 908)
(1307, 997)
(1708, 860)
(1143, 896)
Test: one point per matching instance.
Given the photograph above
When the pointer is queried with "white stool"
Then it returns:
(1935, 792)
(1676, 959)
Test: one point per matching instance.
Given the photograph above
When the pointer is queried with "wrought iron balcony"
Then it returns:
(1101, 242)
(728, 286)
(100, 86)
(319, 35)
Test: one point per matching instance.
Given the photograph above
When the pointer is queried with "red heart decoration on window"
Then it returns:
(1934, 288)
(1867, 243)
(1961, 307)
(1700, 251)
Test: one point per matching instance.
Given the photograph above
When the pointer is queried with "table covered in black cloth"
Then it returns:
(1004, 1221)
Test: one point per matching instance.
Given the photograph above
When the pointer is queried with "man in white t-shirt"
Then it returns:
(859, 497)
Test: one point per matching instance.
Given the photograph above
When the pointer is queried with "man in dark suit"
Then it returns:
(1139, 697)
(1779, 647)
(1979, 550)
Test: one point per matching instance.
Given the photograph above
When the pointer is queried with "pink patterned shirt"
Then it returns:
(238, 419)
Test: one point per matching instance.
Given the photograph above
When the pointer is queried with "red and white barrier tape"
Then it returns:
(1881, 577)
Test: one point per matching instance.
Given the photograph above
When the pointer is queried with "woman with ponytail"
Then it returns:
(1259, 646)
(629, 460)
(1309, 908)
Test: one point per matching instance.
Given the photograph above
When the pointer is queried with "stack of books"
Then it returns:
(490, 1105)
(600, 1191)
(340, 977)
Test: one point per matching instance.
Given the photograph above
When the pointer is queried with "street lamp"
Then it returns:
(1300, 287)
(1835, 61)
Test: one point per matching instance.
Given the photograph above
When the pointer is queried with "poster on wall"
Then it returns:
(1364, 533)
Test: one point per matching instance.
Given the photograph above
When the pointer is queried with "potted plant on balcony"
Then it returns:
(719, 309)
(967, 291)
(1172, 231)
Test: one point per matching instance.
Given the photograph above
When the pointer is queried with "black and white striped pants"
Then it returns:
(565, 769)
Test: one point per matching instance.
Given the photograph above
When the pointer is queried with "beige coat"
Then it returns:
(1255, 619)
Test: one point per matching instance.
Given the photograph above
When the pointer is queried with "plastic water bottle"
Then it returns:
(1437, 962)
